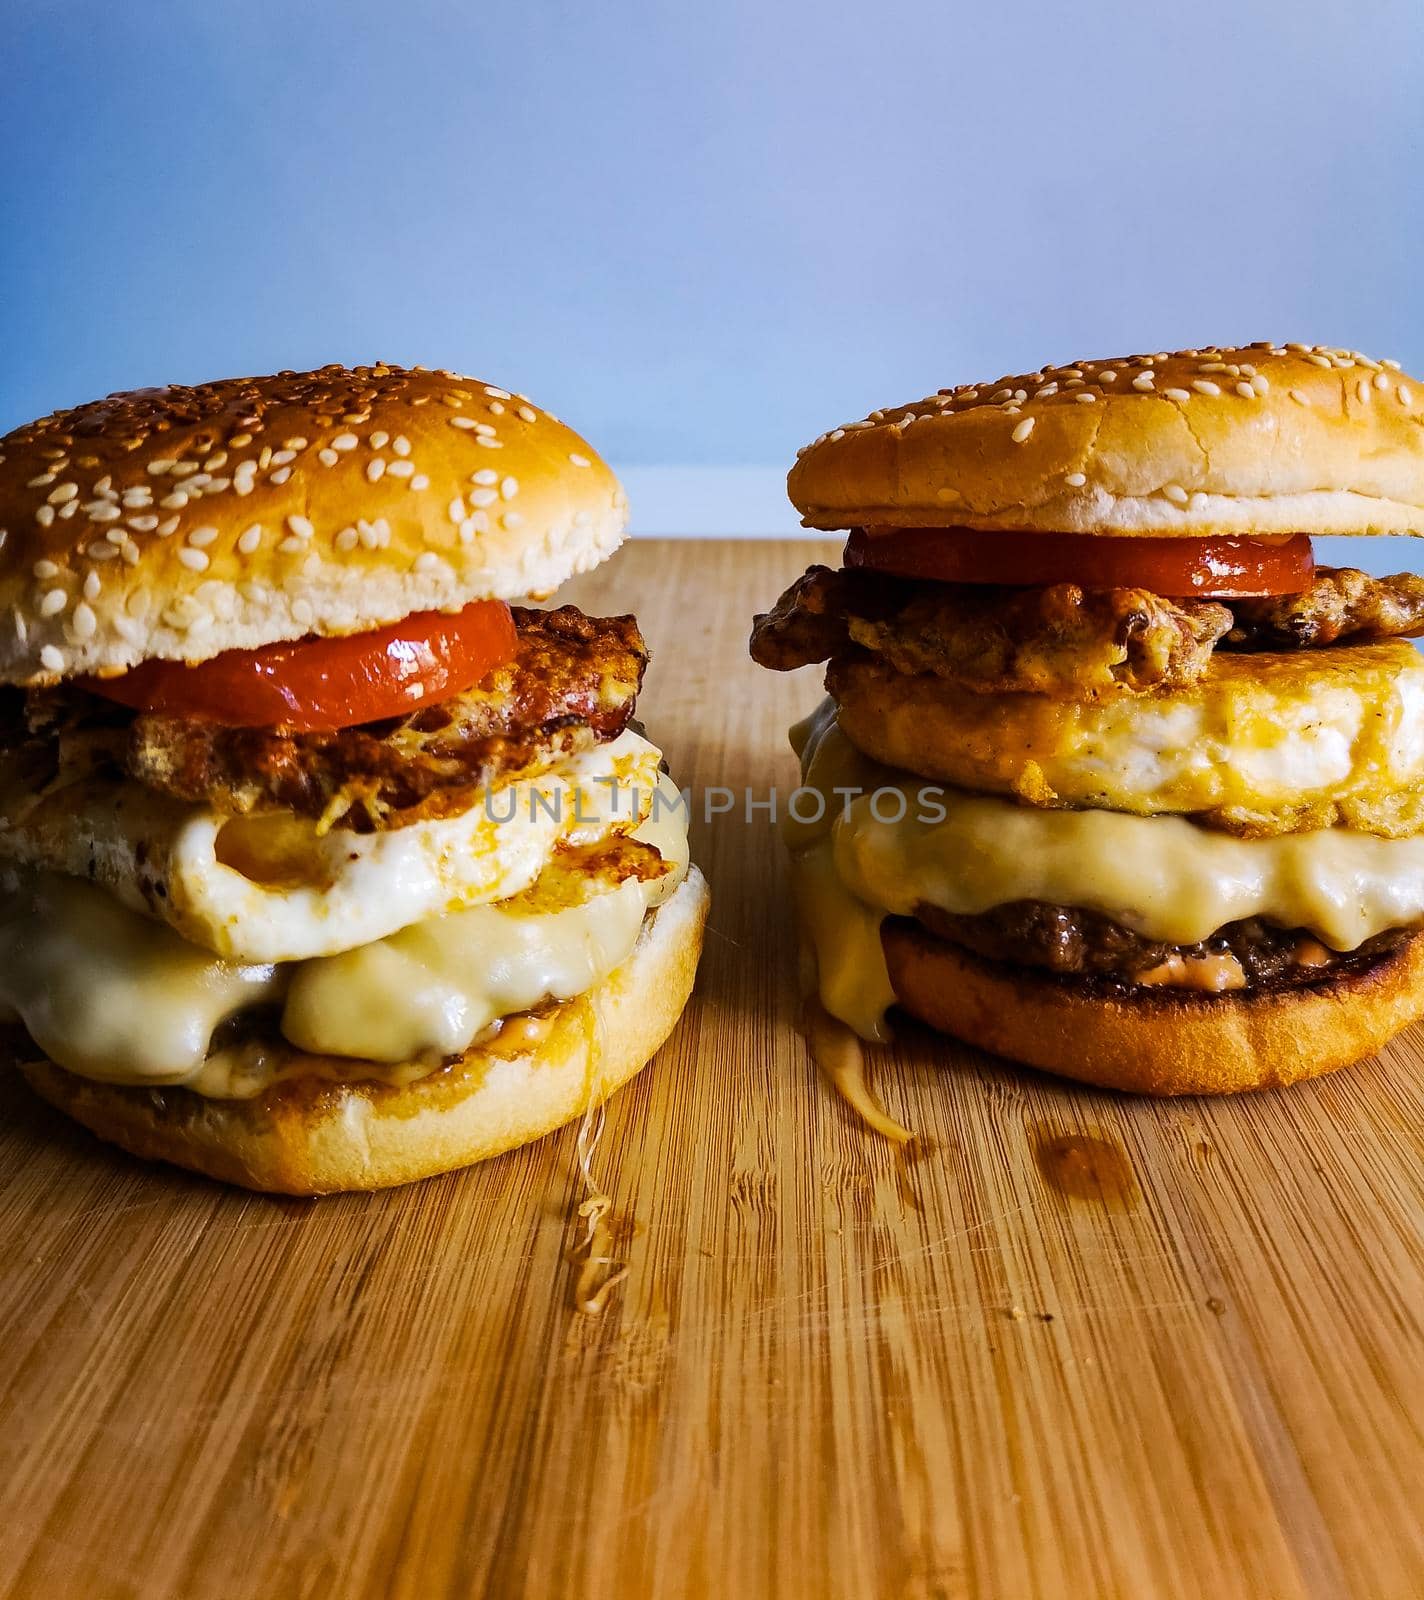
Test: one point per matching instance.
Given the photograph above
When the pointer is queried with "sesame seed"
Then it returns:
(51, 659)
(44, 515)
(401, 445)
(1299, 397)
(528, 413)
(1107, 375)
(488, 443)
(182, 469)
(143, 524)
(509, 488)
(195, 560)
(1260, 383)
(1175, 493)
(215, 463)
(427, 561)
(291, 545)
(175, 501)
(299, 443)
(380, 439)
(1205, 386)
(200, 538)
(102, 552)
(1076, 480)
(1143, 381)
(53, 602)
(420, 481)
(65, 492)
(344, 441)
(1403, 395)
(249, 539)
(84, 622)
(168, 527)
(42, 482)
(578, 460)
(511, 520)
(401, 469)
(1362, 390)
(467, 423)
(456, 510)
(102, 511)
(45, 569)
(163, 465)
(1245, 391)
(327, 457)
(484, 475)
(1085, 399)
(280, 475)
(1318, 360)
(1176, 394)
(498, 394)
(347, 539)
(301, 526)
(484, 497)
(375, 469)
(92, 586)
(1023, 429)
(240, 441)
(1381, 380)
(282, 457)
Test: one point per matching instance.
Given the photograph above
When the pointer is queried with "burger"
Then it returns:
(322, 865)
(1111, 778)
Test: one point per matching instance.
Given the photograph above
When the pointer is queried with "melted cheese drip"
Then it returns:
(111, 995)
(1164, 877)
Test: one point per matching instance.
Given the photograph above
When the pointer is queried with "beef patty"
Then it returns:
(1246, 955)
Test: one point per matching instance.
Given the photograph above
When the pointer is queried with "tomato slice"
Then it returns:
(1225, 568)
(320, 685)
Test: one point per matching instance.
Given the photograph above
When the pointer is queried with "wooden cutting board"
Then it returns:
(1079, 1346)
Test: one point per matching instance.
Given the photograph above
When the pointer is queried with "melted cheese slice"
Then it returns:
(887, 842)
(111, 994)
(272, 888)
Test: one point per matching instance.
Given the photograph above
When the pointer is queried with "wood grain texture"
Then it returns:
(1081, 1345)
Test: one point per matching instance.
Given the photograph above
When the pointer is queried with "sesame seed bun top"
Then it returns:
(1262, 439)
(177, 523)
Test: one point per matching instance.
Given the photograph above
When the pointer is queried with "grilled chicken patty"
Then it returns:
(1251, 954)
(573, 682)
(1062, 639)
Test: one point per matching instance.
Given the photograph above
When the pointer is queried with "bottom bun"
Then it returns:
(309, 1135)
(1162, 1042)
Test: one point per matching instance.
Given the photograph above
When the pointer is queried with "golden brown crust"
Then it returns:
(181, 522)
(1261, 439)
(1166, 1044)
(312, 1136)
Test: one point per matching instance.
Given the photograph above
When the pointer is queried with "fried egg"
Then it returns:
(1264, 743)
(273, 889)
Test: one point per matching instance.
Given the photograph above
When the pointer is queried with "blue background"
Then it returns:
(701, 232)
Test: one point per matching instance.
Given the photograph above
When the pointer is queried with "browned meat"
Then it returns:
(574, 682)
(1341, 603)
(1055, 639)
(1251, 954)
